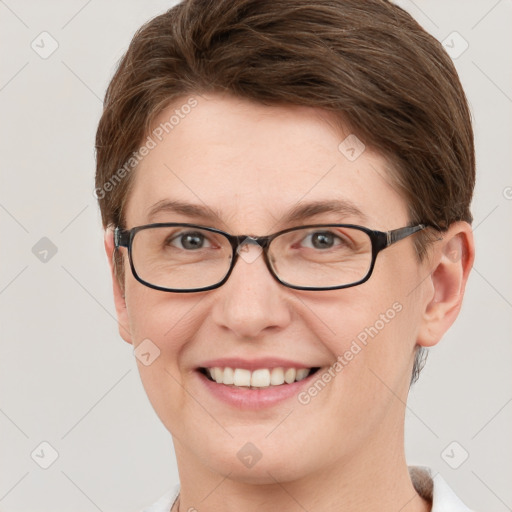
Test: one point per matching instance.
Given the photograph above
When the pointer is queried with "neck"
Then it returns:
(375, 479)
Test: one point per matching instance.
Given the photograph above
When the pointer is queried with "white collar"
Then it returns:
(434, 488)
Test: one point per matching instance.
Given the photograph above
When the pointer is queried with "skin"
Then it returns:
(345, 449)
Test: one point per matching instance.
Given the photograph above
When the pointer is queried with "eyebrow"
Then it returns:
(299, 213)
(342, 207)
(183, 208)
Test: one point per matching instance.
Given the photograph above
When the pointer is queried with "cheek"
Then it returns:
(357, 314)
(366, 333)
(162, 326)
(370, 332)
(161, 316)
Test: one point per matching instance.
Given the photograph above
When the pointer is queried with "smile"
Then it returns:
(259, 378)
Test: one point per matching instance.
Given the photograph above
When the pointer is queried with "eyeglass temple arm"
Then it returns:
(396, 235)
(121, 238)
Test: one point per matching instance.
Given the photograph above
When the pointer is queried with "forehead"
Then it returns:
(251, 167)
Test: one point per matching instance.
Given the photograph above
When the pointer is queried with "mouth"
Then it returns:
(260, 378)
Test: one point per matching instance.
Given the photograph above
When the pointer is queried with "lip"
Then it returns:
(255, 364)
(250, 398)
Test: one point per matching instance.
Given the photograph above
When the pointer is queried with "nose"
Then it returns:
(251, 301)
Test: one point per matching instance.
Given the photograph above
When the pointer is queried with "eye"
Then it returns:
(191, 240)
(322, 240)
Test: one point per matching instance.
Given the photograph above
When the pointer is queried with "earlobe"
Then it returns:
(451, 262)
(118, 289)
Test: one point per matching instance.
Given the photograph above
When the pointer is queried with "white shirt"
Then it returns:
(434, 489)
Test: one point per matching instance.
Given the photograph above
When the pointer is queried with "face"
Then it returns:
(253, 164)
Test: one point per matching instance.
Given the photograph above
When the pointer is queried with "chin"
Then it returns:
(257, 462)
(264, 472)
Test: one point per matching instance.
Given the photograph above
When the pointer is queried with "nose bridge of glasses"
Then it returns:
(243, 242)
(249, 244)
(249, 248)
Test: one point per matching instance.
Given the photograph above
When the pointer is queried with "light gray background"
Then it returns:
(65, 375)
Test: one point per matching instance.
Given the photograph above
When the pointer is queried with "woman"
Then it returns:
(285, 190)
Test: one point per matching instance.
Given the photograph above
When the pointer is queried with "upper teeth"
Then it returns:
(261, 378)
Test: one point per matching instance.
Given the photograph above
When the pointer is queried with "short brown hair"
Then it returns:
(368, 62)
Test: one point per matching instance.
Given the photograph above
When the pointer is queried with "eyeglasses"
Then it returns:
(190, 258)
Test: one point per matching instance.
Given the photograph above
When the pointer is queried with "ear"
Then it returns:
(118, 289)
(450, 262)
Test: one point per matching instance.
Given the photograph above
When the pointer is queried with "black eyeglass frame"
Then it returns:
(380, 240)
